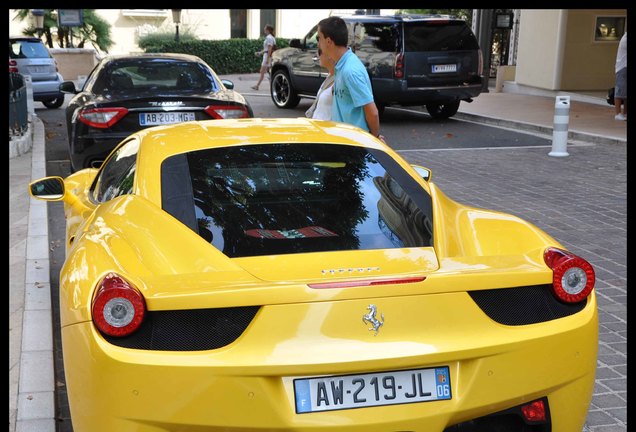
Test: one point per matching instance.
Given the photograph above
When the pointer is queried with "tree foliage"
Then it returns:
(465, 14)
(94, 30)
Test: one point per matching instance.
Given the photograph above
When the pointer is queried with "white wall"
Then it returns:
(212, 24)
(538, 54)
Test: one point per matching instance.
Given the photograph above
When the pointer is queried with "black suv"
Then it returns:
(412, 60)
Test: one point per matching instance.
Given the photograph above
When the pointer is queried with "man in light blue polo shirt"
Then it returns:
(353, 96)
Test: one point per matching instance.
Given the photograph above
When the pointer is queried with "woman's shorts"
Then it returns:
(620, 90)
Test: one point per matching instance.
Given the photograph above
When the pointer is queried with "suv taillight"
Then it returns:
(573, 278)
(102, 118)
(118, 308)
(399, 66)
(13, 66)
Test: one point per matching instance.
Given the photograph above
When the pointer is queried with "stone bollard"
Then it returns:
(560, 129)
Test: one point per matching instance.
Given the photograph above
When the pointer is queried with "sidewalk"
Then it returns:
(591, 119)
(31, 374)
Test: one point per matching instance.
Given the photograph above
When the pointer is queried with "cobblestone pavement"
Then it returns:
(580, 200)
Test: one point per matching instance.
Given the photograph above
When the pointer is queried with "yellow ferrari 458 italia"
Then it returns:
(299, 275)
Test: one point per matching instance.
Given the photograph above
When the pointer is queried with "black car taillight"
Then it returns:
(227, 111)
(102, 117)
(573, 277)
(118, 308)
(399, 66)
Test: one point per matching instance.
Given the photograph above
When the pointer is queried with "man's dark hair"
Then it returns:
(336, 29)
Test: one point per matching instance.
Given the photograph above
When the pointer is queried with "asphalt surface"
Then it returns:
(580, 199)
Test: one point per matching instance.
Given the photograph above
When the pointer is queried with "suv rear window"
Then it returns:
(20, 49)
(283, 199)
(439, 36)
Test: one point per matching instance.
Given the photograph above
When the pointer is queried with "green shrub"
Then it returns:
(229, 56)
(159, 39)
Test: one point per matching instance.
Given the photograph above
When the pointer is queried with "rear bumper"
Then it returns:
(397, 92)
(492, 368)
(46, 90)
(88, 151)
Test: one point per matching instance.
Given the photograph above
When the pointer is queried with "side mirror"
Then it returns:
(68, 87)
(425, 173)
(48, 189)
(228, 84)
(294, 43)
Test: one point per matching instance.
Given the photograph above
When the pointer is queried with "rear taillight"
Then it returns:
(102, 118)
(56, 68)
(534, 411)
(13, 66)
(118, 308)
(226, 111)
(399, 66)
(573, 278)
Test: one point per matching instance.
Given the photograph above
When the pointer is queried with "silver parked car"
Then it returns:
(29, 56)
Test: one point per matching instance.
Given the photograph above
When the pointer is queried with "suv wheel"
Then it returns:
(54, 103)
(283, 94)
(443, 110)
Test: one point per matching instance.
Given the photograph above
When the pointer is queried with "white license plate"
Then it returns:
(161, 118)
(39, 69)
(444, 68)
(373, 389)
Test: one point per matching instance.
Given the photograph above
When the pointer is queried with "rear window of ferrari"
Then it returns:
(282, 199)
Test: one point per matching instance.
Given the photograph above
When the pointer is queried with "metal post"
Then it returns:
(29, 93)
(560, 129)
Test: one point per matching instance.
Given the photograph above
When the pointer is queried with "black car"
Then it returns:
(412, 60)
(126, 93)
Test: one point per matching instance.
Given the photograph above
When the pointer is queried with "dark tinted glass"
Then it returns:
(155, 76)
(372, 37)
(448, 36)
(117, 175)
(282, 199)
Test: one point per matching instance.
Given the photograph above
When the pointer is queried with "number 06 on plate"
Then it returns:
(372, 389)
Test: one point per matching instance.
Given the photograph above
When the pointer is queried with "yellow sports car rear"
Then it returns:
(299, 275)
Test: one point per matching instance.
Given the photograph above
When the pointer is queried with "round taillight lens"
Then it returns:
(573, 277)
(118, 308)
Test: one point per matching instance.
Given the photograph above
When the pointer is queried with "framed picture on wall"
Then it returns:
(609, 28)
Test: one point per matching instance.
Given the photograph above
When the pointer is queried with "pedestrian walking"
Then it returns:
(321, 108)
(266, 52)
(620, 87)
(352, 93)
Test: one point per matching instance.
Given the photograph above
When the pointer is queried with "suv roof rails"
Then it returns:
(400, 17)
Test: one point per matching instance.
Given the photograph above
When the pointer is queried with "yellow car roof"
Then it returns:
(163, 141)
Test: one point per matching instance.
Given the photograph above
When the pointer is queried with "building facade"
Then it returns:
(552, 49)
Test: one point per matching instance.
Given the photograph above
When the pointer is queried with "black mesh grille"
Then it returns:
(188, 330)
(523, 305)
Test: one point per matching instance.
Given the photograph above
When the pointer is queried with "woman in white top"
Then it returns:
(321, 108)
(268, 47)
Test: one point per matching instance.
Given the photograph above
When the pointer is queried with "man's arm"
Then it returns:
(373, 118)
